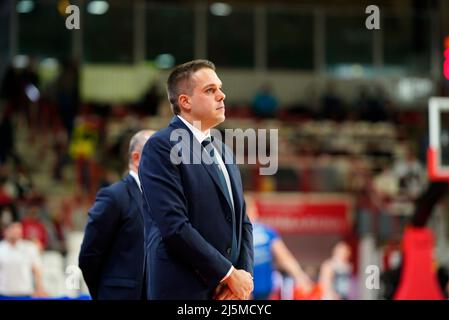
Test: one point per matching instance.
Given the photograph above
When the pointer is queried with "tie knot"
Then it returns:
(207, 144)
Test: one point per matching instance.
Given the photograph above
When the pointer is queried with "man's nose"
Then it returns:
(221, 95)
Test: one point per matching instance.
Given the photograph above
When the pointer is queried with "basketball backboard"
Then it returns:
(438, 152)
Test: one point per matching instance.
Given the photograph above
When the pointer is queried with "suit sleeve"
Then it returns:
(100, 229)
(246, 258)
(163, 191)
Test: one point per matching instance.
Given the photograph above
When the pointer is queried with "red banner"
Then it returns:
(293, 214)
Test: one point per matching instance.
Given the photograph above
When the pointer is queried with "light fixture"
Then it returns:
(97, 7)
(25, 6)
(32, 92)
(21, 61)
(165, 61)
(50, 63)
(62, 5)
(220, 9)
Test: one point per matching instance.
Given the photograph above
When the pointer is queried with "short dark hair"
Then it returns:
(179, 80)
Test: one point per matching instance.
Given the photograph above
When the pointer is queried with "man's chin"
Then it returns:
(219, 120)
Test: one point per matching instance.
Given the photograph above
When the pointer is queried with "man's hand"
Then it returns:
(305, 283)
(224, 293)
(240, 284)
(39, 293)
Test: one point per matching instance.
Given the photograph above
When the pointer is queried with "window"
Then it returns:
(109, 37)
(42, 31)
(231, 38)
(163, 36)
(4, 31)
(407, 42)
(290, 38)
(347, 40)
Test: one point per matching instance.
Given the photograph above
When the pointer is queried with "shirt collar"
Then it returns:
(136, 178)
(199, 135)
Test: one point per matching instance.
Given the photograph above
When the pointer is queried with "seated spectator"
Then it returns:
(411, 174)
(265, 104)
(20, 266)
(8, 214)
(34, 228)
(331, 104)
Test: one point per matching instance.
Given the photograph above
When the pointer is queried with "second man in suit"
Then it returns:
(112, 254)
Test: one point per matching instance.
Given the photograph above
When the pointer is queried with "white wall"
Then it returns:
(292, 86)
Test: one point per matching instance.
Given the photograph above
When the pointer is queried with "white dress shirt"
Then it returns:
(200, 136)
(136, 177)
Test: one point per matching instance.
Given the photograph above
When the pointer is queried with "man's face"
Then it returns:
(207, 99)
(14, 232)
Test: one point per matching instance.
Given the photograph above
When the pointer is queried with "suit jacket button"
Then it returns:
(228, 250)
(228, 218)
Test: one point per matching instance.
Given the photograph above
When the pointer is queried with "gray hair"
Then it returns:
(138, 140)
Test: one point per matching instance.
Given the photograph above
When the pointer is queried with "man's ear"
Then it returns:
(135, 157)
(184, 102)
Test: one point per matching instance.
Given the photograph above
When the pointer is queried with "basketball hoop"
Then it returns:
(438, 151)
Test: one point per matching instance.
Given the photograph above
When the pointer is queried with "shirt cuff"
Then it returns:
(227, 274)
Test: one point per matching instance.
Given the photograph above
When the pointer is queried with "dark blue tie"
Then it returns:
(211, 151)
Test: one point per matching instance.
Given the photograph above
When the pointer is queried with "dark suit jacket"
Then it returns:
(188, 219)
(113, 253)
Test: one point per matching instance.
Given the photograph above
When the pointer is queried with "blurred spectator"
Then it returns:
(312, 100)
(6, 133)
(10, 91)
(83, 148)
(6, 191)
(385, 107)
(34, 227)
(20, 266)
(270, 252)
(336, 274)
(331, 104)
(59, 148)
(57, 230)
(68, 98)
(309, 106)
(29, 74)
(8, 211)
(149, 104)
(22, 182)
(374, 108)
(7, 216)
(30, 82)
(10, 87)
(410, 173)
(265, 104)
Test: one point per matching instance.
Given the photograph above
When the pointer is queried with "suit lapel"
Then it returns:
(134, 190)
(196, 154)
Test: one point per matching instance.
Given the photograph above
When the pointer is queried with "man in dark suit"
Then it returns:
(112, 254)
(199, 238)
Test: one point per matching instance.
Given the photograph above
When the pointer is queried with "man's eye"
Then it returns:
(210, 90)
